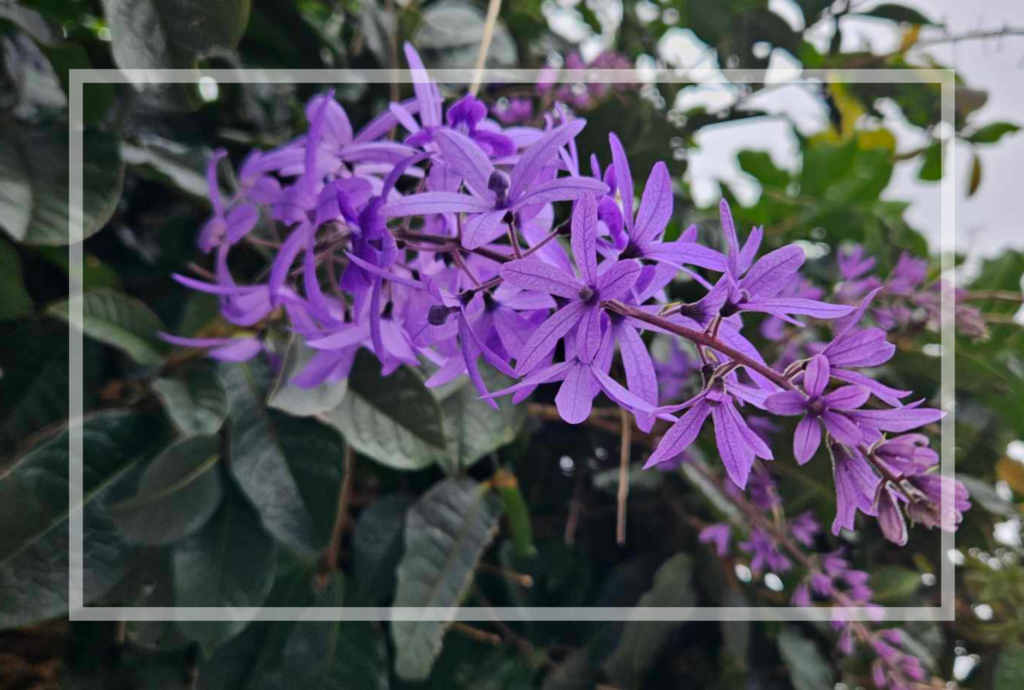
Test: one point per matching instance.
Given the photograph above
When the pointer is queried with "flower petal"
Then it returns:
(561, 189)
(736, 455)
(623, 179)
(773, 272)
(806, 439)
(547, 335)
(787, 403)
(530, 274)
(617, 279)
(575, 396)
(816, 376)
(847, 398)
(584, 238)
(842, 428)
(588, 335)
(535, 158)
(466, 158)
(681, 435)
(897, 419)
(429, 203)
(655, 207)
(483, 229)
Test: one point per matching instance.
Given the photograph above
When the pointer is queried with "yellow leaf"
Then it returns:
(1011, 472)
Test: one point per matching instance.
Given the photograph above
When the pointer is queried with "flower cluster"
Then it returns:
(437, 236)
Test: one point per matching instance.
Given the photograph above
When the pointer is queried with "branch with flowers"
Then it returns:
(437, 238)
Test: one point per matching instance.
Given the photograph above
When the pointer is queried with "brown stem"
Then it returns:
(627, 440)
(329, 562)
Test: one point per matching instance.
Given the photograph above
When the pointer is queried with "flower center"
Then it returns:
(587, 294)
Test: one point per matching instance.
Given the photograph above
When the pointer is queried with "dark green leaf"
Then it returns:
(229, 563)
(115, 319)
(990, 134)
(898, 13)
(340, 655)
(760, 165)
(34, 542)
(396, 420)
(377, 545)
(15, 302)
(449, 36)
(475, 429)
(177, 494)
(893, 584)
(975, 179)
(446, 532)
(931, 165)
(303, 402)
(643, 641)
(155, 34)
(195, 402)
(808, 669)
(273, 456)
(34, 187)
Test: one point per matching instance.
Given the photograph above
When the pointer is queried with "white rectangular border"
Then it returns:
(79, 612)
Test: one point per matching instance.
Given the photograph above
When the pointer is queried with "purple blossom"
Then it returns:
(719, 535)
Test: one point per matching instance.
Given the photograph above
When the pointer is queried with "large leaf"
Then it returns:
(195, 402)
(154, 34)
(643, 641)
(446, 532)
(377, 545)
(229, 563)
(341, 655)
(177, 494)
(303, 402)
(475, 429)
(808, 669)
(117, 320)
(34, 510)
(274, 456)
(396, 420)
(15, 302)
(34, 182)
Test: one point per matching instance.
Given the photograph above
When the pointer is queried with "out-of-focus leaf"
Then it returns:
(229, 563)
(195, 402)
(1011, 472)
(991, 134)
(898, 13)
(15, 302)
(760, 165)
(377, 545)
(449, 36)
(396, 420)
(31, 22)
(155, 34)
(808, 668)
(34, 191)
(475, 429)
(285, 466)
(346, 655)
(34, 509)
(446, 532)
(1009, 673)
(975, 180)
(97, 98)
(170, 161)
(643, 641)
(984, 495)
(893, 584)
(303, 402)
(931, 165)
(115, 319)
(176, 495)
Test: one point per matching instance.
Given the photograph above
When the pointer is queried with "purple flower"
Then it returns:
(224, 227)
(890, 515)
(804, 528)
(493, 194)
(765, 551)
(582, 312)
(907, 454)
(513, 111)
(719, 535)
(936, 501)
(737, 442)
(223, 349)
(856, 484)
(820, 409)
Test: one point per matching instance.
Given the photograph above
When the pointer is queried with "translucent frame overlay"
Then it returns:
(944, 78)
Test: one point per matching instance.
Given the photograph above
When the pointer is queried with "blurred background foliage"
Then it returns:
(145, 197)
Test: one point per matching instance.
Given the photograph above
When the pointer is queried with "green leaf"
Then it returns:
(34, 541)
(154, 34)
(34, 186)
(229, 563)
(303, 402)
(898, 13)
(893, 584)
(274, 456)
(643, 641)
(975, 179)
(446, 533)
(15, 302)
(1009, 673)
(170, 162)
(984, 495)
(115, 319)
(177, 494)
(808, 668)
(450, 32)
(475, 429)
(195, 402)
(991, 134)
(396, 420)
(341, 655)
(760, 165)
(931, 164)
(377, 545)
